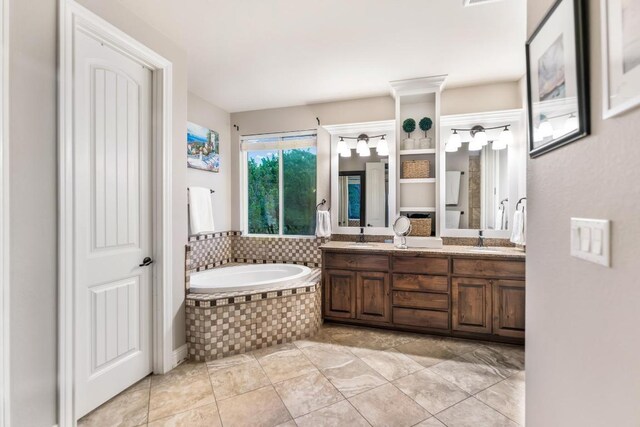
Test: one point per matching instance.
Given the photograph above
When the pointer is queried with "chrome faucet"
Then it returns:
(361, 236)
(480, 243)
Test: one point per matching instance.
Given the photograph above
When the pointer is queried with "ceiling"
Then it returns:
(256, 54)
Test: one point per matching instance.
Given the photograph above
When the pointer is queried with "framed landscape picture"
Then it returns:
(557, 78)
(203, 148)
(620, 56)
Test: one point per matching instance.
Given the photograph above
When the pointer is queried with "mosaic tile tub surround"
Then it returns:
(227, 323)
(224, 324)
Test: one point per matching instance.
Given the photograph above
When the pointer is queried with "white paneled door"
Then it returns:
(112, 221)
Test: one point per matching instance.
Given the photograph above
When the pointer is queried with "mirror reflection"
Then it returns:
(477, 188)
(363, 185)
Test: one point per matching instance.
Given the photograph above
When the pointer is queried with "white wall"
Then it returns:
(301, 118)
(33, 216)
(205, 114)
(583, 363)
(481, 98)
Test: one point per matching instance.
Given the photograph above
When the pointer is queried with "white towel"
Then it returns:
(452, 187)
(323, 224)
(501, 219)
(452, 219)
(200, 210)
(518, 232)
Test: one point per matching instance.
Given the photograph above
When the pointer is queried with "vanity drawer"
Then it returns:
(419, 264)
(421, 300)
(488, 268)
(356, 261)
(419, 282)
(421, 318)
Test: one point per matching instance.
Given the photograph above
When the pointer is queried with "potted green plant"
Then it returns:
(425, 124)
(409, 125)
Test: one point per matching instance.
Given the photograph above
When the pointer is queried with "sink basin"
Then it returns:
(361, 245)
(486, 250)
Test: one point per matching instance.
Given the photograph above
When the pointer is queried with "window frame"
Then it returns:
(244, 190)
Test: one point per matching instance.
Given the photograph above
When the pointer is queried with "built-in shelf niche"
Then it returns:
(418, 98)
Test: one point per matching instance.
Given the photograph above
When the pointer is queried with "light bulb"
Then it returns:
(475, 145)
(571, 124)
(346, 152)
(342, 145)
(366, 152)
(383, 147)
(454, 141)
(546, 129)
(481, 138)
(505, 139)
(450, 148)
(362, 146)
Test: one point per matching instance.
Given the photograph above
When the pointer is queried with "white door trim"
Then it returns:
(73, 18)
(4, 217)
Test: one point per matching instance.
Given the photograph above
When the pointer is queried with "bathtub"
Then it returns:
(246, 277)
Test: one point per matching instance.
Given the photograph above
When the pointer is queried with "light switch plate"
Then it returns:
(590, 240)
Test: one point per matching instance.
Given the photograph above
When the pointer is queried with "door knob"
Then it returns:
(146, 261)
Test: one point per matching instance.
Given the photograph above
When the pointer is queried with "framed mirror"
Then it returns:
(363, 186)
(484, 158)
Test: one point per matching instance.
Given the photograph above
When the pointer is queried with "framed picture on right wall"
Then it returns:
(620, 56)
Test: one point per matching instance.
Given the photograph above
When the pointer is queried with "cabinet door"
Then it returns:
(471, 308)
(373, 298)
(340, 294)
(508, 308)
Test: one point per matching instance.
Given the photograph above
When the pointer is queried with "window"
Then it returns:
(280, 182)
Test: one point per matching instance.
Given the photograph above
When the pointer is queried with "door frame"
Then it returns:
(74, 18)
(5, 368)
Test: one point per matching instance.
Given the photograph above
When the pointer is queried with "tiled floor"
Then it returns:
(345, 376)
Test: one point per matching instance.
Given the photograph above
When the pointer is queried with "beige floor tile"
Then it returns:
(226, 362)
(237, 379)
(338, 414)
(507, 397)
(353, 377)
(204, 416)
(388, 406)
(391, 364)
(284, 362)
(307, 393)
(125, 410)
(257, 408)
(429, 351)
(431, 422)
(289, 423)
(178, 395)
(143, 384)
(184, 371)
(512, 354)
(499, 362)
(467, 375)
(325, 356)
(430, 390)
(473, 413)
(371, 338)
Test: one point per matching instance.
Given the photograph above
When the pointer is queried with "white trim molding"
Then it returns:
(73, 18)
(5, 419)
(180, 354)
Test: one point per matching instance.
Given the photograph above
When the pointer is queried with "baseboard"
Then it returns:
(179, 355)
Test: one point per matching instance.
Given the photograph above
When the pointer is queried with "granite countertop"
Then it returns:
(490, 252)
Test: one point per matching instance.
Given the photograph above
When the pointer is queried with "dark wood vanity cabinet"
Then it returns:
(372, 296)
(357, 295)
(470, 297)
(340, 294)
(471, 308)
